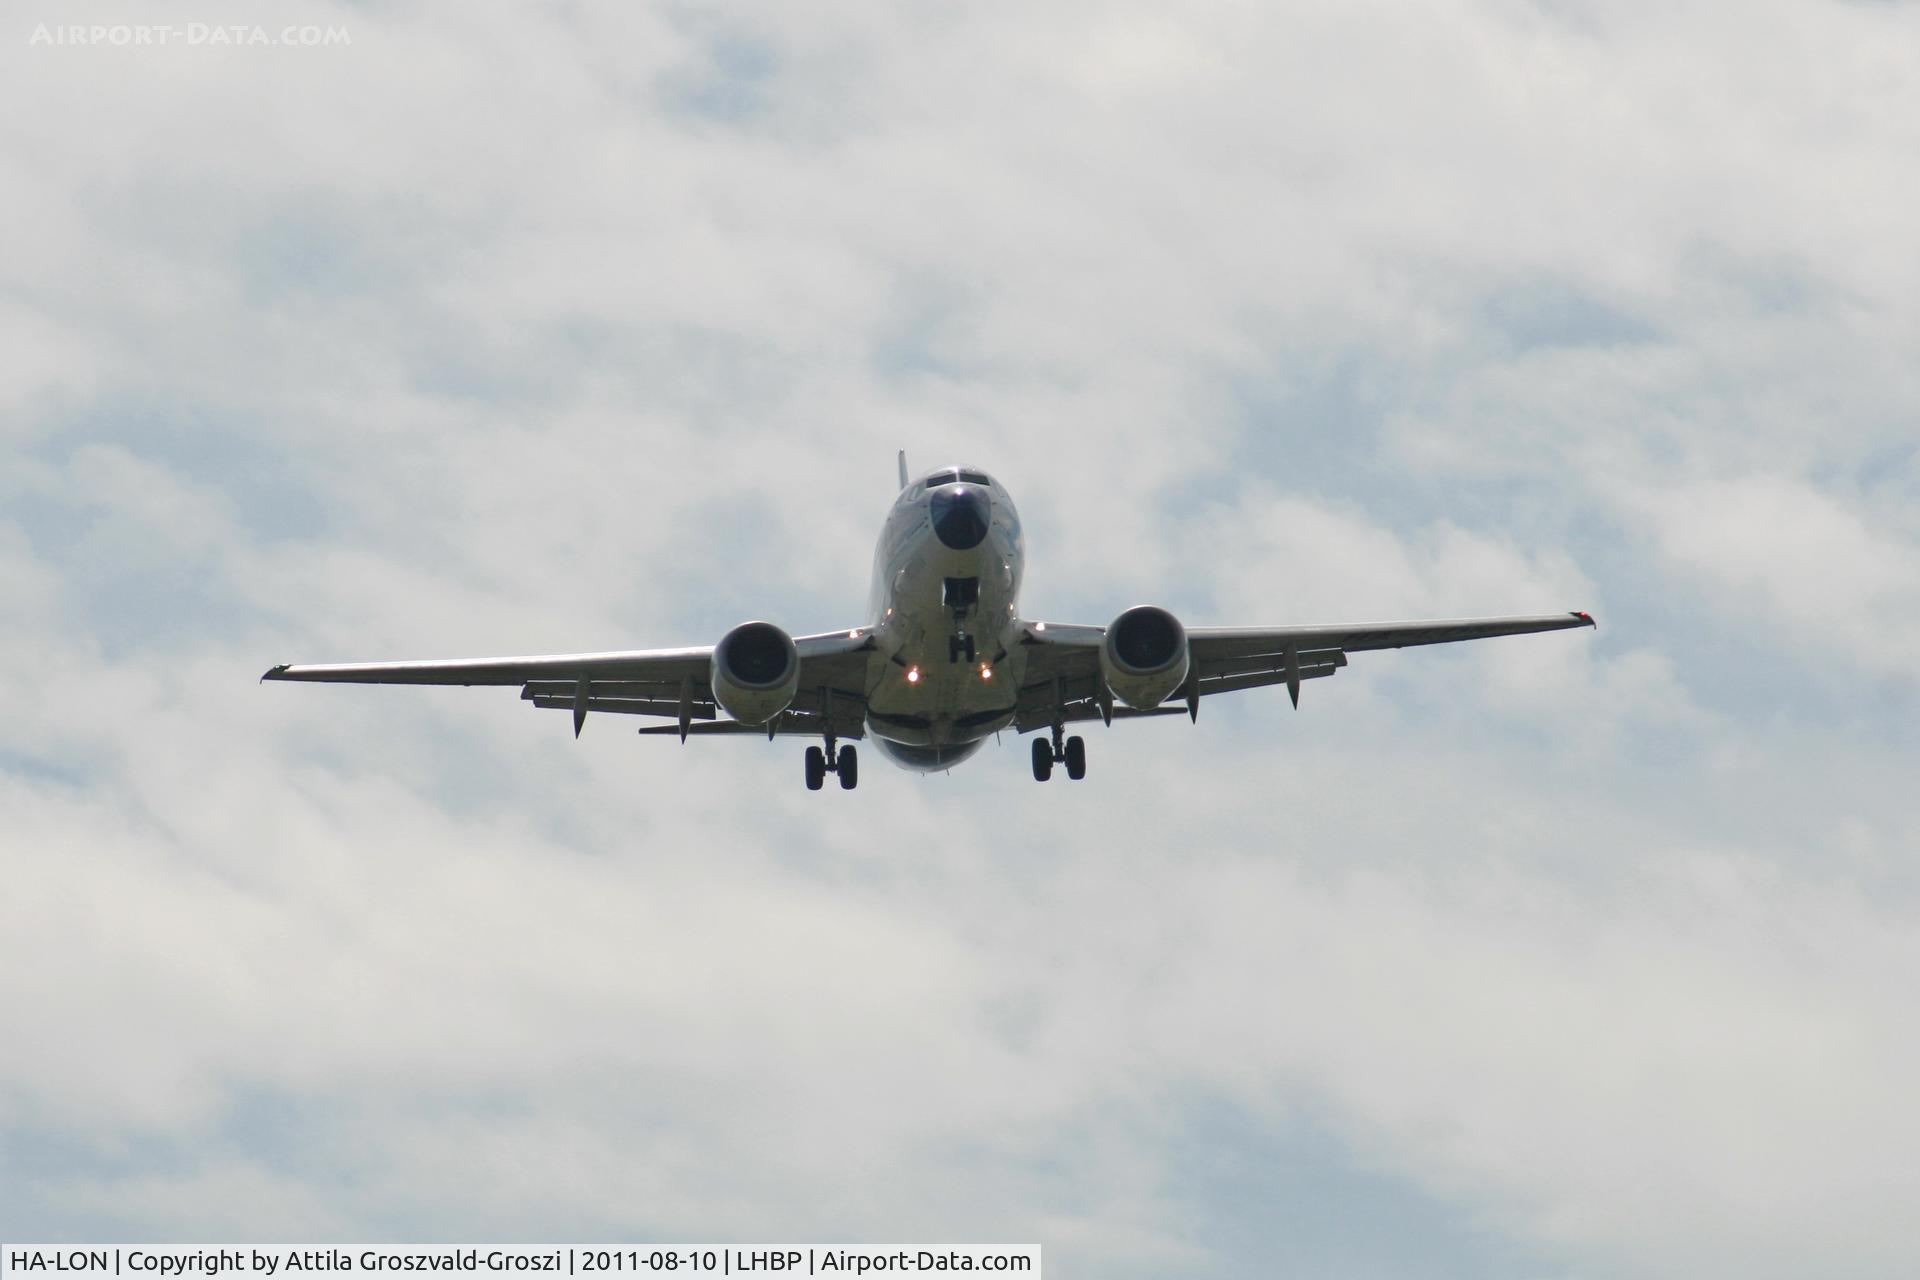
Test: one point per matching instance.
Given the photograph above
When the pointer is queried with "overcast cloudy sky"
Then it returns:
(509, 328)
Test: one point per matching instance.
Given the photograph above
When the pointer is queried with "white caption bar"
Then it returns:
(598, 1261)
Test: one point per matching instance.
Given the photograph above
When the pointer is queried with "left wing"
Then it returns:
(672, 683)
(1063, 661)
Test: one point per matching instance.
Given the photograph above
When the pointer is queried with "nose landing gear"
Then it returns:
(960, 596)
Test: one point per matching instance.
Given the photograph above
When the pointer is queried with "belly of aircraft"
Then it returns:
(948, 704)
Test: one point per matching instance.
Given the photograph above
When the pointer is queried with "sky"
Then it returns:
(500, 328)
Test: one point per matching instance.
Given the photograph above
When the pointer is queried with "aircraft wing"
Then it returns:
(1063, 660)
(672, 683)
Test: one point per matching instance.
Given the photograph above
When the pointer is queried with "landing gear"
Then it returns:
(960, 595)
(844, 762)
(1072, 752)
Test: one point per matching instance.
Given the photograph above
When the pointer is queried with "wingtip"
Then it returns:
(275, 672)
(1586, 618)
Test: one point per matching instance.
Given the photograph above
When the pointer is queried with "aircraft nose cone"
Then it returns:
(960, 517)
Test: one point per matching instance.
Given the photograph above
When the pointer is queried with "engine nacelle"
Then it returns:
(1144, 657)
(756, 672)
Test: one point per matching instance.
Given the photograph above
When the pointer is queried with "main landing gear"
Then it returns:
(1073, 753)
(845, 762)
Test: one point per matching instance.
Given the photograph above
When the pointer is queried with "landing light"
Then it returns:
(913, 675)
(986, 673)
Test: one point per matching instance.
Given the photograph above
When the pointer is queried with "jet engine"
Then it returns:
(1144, 657)
(756, 672)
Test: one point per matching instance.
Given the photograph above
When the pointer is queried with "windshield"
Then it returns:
(957, 476)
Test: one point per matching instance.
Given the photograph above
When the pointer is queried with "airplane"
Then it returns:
(944, 660)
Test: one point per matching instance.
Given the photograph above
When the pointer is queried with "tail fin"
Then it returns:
(903, 468)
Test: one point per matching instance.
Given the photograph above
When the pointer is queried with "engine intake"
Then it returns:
(1144, 657)
(756, 672)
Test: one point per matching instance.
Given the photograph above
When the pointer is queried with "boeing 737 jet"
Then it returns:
(943, 660)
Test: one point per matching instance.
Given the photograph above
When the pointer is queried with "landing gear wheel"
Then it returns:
(1042, 760)
(1076, 758)
(849, 769)
(816, 768)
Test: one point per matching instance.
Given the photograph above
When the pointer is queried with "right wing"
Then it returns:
(672, 683)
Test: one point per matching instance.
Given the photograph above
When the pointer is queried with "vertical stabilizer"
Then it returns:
(903, 468)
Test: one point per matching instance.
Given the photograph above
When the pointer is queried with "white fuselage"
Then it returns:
(946, 579)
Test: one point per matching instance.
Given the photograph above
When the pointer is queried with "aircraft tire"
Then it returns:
(1042, 760)
(1076, 758)
(816, 768)
(849, 768)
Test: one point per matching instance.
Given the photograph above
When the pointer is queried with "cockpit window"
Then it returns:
(960, 477)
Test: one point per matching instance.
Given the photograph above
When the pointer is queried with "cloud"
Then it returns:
(501, 333)
(1805, 558)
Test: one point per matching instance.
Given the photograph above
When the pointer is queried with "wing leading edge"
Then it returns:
(1222, 642)
(632, 664)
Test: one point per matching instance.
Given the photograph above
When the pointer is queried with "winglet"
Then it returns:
(274, 672)
(903, 468)
(1586, 618)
